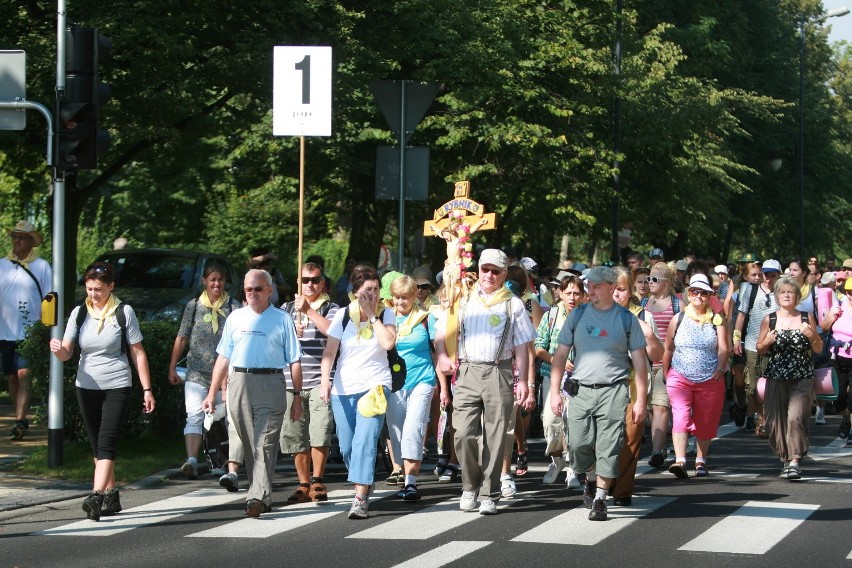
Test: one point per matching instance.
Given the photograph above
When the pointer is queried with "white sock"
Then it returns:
(505, 476)
(600, 494)
(193, 461)
(411, 480)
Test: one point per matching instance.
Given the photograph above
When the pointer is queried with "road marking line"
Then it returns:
(827, 479)
(574, 526)
(735, 533)
(288, 517)
(834, 449)
(429, 522)
(156, 512)
(444, 554)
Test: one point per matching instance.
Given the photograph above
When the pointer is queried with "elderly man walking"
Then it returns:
(606, 339)
(493, 328)
(24, 280)
(258, 342)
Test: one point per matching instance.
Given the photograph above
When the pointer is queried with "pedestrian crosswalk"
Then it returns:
(444, 522)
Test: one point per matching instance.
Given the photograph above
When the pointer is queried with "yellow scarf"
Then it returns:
(215, 309)
(806, 290)
(501, 295)
(707, 317)
(107, 312)
(355, 315)
(25, 262)
(321, 299)
(415, 316)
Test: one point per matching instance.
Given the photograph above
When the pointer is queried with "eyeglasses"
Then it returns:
(494, 271)
(312, 279)
(702, 293)
(656, 279)
(256, 289)
(424, 286)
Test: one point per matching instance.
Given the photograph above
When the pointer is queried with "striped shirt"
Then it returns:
(313, 344)
(483, 329)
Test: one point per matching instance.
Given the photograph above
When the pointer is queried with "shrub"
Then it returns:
(167, 419)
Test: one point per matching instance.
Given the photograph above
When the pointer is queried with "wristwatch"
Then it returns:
(373, 320)
(297, 393)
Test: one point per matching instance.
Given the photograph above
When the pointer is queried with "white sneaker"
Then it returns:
(488, 507)
(571, 481)
(468, 501)
(820, 416)
(507, 488)
(556, 466)
(189, 470)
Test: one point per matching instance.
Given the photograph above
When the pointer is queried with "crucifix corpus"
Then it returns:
(455, 221)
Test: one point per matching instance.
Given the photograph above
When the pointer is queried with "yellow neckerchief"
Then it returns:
(107, 311)
(707, 317)
(355, 316)
(321, 299)
(806, 290)
(502, 294)
(215, 308)
(25, 262)
(415, 316)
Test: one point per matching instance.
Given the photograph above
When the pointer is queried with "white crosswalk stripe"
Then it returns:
(429, 522)
(735, 533)
(156, 512)
(574, 527)
(444, 554)
(289, 517)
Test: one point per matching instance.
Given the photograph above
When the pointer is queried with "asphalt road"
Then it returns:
(741, 515)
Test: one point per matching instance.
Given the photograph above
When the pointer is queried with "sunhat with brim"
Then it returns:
(27, 228)
(384, 292)
(847, 263)
(699, 282)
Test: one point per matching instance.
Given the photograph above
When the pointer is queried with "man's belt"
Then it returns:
(601, 386)
(258, 370)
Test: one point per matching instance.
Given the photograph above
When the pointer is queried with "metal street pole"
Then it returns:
(615, 255)
(401, 266)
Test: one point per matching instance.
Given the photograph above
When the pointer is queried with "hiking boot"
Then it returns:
(93, 504)
(598, 512)
(111, 504)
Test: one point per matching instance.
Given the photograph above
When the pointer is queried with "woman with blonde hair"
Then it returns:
(408, 408)
(663, 305)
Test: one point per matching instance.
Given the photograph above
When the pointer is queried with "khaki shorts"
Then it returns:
(755, 367)
(313, 429)
(658, 395)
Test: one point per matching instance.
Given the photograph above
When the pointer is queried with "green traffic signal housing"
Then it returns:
(79, 140)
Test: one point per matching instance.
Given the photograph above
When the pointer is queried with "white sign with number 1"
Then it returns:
(301, 91)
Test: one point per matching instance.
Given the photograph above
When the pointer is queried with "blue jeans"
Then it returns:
(358, 436)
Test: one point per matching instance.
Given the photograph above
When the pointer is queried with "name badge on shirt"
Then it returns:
(494, 320)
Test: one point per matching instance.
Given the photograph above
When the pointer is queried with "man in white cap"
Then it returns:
(606, 338)
(493, 327)
(24, 280)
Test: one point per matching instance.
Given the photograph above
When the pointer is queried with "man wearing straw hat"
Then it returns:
(24, 280)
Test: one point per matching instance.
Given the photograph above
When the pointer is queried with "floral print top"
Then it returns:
(790, 357)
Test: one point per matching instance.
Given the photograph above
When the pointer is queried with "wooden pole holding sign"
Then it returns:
(301, 106)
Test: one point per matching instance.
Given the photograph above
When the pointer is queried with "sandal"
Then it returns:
(300, 495)
(395, 478)
(521, 466)
(793, 472)
(701, 470)
(319, 492)
(679, 470)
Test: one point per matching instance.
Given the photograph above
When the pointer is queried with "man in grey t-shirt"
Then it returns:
(606, 340)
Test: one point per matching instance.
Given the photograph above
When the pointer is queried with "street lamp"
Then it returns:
(835, 13)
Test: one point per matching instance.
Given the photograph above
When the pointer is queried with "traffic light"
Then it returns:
(79, 140)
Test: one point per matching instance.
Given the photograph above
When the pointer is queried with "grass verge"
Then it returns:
(136, 459)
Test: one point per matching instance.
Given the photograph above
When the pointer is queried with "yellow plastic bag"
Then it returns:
(373, 402)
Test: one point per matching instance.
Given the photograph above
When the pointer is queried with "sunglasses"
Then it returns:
(312, 279)
(702, 293)
(97, 269)
(424, 286)
(495, 271)
(256, 289)
(768, 301)
(656, 279)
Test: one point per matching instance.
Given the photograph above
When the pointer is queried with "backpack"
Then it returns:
(120, 317)
(215, 443)
(396, 363)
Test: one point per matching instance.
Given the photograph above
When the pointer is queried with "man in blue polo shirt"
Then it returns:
(258, 341)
